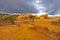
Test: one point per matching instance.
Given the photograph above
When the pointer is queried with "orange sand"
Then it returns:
(30, 27)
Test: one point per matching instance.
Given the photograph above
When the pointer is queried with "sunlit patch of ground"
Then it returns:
(29, 27)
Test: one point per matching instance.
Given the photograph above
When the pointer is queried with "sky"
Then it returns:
(28, 6)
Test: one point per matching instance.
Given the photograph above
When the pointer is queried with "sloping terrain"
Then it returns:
(29, 27)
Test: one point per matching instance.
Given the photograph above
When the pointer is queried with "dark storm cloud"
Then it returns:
(53, 6)
(17, 6)
(26, 6)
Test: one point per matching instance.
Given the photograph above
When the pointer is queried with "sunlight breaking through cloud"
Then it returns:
(40, 7)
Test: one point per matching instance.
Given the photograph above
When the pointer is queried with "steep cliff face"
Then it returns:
(30, 27)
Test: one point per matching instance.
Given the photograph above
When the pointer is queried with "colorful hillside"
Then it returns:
(29, 27)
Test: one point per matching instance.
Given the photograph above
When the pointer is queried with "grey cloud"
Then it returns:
(52, 5)
(26, 6)
(17, 6)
